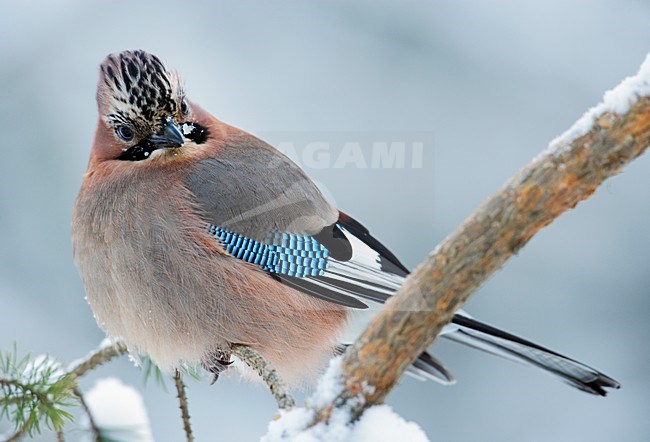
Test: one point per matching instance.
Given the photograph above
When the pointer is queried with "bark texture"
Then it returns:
(554, 182)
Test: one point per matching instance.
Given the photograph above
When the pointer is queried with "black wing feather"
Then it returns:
(389, 261)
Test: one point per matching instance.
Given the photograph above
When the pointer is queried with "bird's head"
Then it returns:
(143, 109)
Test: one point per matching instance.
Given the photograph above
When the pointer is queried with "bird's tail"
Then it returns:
(425, 367)
(428, 367)
(492, 340)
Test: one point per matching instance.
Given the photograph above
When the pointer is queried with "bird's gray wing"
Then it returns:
(252, 189)
(263, 209)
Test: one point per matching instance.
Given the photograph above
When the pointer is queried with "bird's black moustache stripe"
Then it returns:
(141, 151)
(198, 133)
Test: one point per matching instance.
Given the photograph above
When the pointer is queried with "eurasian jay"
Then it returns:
(192, 235)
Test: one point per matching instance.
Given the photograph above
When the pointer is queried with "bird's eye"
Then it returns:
(124, 132)
(184, 107)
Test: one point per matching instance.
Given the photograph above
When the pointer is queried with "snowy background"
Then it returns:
(486, 85)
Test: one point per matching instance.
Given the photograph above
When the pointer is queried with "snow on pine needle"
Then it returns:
(35, 392)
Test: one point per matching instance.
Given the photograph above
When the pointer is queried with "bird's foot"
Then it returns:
(217, 363)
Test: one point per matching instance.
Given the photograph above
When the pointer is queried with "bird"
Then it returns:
(192, 236)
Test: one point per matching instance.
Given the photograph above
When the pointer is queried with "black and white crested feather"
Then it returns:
(138, 90)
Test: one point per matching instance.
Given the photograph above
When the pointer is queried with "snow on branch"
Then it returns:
(617, 101)
(605, 139)
(379, 423)
(119, 411)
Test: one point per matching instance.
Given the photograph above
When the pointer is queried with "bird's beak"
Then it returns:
(169, 136)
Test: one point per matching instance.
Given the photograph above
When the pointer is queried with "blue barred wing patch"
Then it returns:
(284, 254)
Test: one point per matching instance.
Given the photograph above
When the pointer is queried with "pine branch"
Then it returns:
(182, 399)
(273, 380)
(607, 138)
(103, 354)
(95, 430)
(34, 392)
(16, 436)
(152, 370)
(39, 390)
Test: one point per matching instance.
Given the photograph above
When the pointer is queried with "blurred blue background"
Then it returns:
(491, 83)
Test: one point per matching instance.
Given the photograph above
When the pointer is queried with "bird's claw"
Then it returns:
(217, 363)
